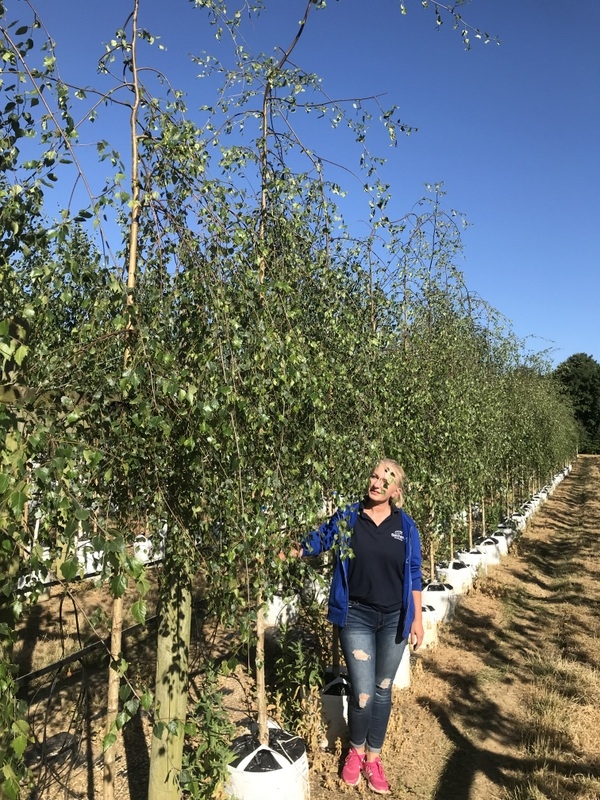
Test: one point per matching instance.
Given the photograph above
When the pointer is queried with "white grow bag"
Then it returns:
(281, 610)
(520, 521)
(430, 627)
(402, 677)
(91, 560)
(491, 551)
(456, 573)
(143, 549)
(288, 777)
(475, 560)
(36, 578)
(316, 588)
(508, 533)
(502, 542)
(442, 598)
(334, 709)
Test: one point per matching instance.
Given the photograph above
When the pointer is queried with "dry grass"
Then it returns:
(561, 719)
(560, 713)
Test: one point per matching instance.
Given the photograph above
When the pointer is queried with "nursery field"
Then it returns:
(185, 352)
(507, 706)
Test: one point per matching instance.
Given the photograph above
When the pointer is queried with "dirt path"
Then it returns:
(507, 707)
(469, 728)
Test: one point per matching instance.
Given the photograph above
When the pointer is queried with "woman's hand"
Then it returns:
(295, 552)
(416, 635)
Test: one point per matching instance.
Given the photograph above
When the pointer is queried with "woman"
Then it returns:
(375, 600)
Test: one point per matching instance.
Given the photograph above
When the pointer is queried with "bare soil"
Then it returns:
(462, 731)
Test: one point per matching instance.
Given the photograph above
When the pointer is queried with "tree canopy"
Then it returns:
(579, 376)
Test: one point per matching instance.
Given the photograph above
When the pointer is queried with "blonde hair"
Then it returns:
(398, 473)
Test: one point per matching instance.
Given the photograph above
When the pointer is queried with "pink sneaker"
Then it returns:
(373, 772)
(352, 766)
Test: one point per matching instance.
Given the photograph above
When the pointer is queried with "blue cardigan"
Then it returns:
(336, 533)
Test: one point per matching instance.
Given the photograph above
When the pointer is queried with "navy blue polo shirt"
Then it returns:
(376, 573)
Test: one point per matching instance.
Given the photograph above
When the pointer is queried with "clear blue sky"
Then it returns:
(513, 131)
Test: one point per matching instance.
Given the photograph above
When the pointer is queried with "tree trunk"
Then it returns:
(114, 677)
(470, 526)
(431, 561)
(261, 692)
(483, 516)
(114, 684)
(171, 691)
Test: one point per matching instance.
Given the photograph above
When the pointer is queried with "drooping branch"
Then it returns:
(114, 676)
(264, 144)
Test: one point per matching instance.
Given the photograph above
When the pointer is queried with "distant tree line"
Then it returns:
(579, 377)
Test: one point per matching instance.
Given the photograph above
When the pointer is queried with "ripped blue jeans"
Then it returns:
(372, 656)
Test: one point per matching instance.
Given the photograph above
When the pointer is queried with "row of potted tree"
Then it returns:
(240, 373)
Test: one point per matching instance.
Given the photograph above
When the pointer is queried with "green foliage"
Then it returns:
(300, 658)
(14, 730)
(208, 736)
(579, 377)
(259, 363)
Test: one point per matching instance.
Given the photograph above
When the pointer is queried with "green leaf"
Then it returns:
(69, 568)
(19, 744)
(21, 726)
(17, 502)
(132, 706)
(20, 354)
(108, 741)
(124, 691)
(159, 730)
(146, 700)
(139, 610)
(118, 585)
(184, 777)
(10, 786)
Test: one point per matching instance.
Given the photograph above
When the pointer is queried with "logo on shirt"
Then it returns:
(398, 535)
